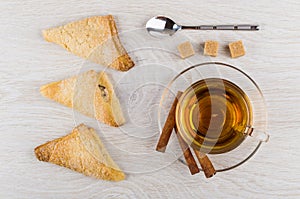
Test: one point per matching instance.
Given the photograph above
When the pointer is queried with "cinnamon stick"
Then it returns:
(170, 124)
(168, 127)
(190, 161)
(205, 163)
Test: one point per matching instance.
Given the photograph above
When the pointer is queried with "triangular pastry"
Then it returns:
(81, 151)
(90, 93)
(95, 38)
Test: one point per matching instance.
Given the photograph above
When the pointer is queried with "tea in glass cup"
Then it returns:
(214, 115)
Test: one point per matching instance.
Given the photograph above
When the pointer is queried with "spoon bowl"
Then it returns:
(161, 24)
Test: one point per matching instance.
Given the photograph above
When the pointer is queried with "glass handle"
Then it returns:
(259, 135)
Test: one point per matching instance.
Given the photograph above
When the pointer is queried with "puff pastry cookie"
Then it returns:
(95, 38)
(90, 93)
(81, 151)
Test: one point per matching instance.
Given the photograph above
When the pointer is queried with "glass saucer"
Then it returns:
(202, 71)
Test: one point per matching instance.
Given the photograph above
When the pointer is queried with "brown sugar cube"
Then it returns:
(185, 49)
(211, 48)
(236, 49)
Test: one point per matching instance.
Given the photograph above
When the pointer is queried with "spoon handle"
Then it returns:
(222, 27)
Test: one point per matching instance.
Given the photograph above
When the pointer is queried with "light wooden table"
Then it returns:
(27, 119)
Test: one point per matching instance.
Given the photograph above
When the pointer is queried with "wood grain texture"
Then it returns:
(28, 120)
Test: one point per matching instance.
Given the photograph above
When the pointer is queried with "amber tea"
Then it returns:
(214, 115)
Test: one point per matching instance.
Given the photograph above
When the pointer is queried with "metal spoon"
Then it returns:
(165, 25)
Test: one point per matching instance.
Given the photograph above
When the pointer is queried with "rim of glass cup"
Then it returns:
(224, 65)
